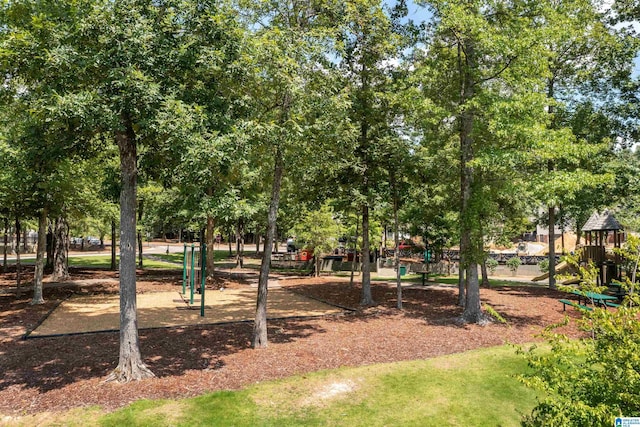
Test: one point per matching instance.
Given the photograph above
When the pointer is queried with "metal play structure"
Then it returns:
(194, 271)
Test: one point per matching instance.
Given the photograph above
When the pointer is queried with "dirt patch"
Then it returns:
(100, 313)
(58, 373)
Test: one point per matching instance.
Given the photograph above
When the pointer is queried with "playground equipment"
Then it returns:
(602, 230)
(194, 271)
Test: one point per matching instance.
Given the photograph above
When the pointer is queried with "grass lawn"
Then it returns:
(475, 388)
(104, 261)
(177, 257)
(449, 280)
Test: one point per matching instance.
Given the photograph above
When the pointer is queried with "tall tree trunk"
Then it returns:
(472, 311)
(552, 210)
(552, 248)
(355, 252)
(130, 365)
(113, 244)
(211, 240)
(483, 265)
(462, 284)
(260, 326)
(485, 274)
(396, 254)
(241, 238)
(239, 244)
(40, 253)
(6, 243)
(140, 212)
(61, 260)
(230, 249)
(18, 264)
(367, 298)
(51, 246)
(562, 230)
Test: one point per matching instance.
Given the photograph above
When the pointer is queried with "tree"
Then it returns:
(294, 94)
(318, 231)
(129, 91)
(479, 77)
(579, 49)
(371, 45)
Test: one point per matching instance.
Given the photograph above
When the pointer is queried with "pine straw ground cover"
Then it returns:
(52, 374)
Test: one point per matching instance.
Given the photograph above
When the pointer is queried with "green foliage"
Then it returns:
(544, 265)
(513, 263)
(317, 230)
(492, 265)
(592, 380)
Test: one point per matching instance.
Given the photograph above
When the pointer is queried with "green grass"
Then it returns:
(476, 388)
(450, 280)
(177, 257)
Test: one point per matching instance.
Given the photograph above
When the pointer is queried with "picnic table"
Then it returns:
(598, 299)
(601, 300)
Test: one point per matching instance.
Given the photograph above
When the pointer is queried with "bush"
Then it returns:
(589, 381)
(513, 263)
(544, 265)
(492, 264)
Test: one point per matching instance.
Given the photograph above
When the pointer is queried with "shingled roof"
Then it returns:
(602, 222)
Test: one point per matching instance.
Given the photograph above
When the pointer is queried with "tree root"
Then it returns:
(129, 370)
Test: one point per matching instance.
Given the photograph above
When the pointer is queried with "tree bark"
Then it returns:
(6, 243)
(113, 245)
(61, 259)
(485, 274)
(462, 285)
(239, 244)
(552, 248)
(355, 251)
(18, 264)
(140, 212)
(367, 298)
(260, 326)
(211, 240)
(241, 237)
(40, 253)
(396, 256)
(552, 212)
(51, 247)
(130, 365)
(472, 311)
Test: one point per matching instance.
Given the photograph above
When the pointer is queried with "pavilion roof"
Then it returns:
(602, 222)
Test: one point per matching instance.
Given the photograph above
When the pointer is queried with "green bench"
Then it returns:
(566, 302)
(612, 304)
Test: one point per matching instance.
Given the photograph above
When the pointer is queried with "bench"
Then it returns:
(612, 304)
(566, 302)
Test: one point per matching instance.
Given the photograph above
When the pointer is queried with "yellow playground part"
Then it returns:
(560, 268)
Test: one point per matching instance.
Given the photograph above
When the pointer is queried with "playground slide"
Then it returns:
(560, 268)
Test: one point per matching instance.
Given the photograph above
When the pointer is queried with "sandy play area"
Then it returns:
(95, 313)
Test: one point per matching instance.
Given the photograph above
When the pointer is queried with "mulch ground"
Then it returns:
(58, 373)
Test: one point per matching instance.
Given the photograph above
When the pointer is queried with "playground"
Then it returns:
(327, 329)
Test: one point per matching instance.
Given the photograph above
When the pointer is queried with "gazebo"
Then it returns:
(600, 231)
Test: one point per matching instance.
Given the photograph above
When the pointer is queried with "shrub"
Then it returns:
(513, 263)
(589, 381)
(544, 265)
(492, 264)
